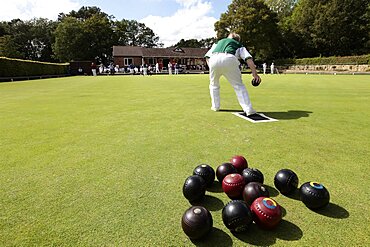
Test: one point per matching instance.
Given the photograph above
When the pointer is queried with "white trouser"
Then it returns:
(228, 66)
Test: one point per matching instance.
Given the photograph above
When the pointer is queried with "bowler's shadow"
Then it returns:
(216, 237)
(333, 211)
(291, 114)
(256, 236)
(210, 202)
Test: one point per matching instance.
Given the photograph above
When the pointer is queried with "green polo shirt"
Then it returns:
(227, 45)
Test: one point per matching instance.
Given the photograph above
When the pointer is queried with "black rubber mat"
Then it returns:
(255, 118)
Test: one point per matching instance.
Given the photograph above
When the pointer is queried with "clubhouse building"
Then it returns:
(189, 58)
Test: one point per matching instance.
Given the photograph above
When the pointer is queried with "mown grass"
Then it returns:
(100, 161)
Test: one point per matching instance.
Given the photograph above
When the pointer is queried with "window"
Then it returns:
(127, 61)
(151, 61)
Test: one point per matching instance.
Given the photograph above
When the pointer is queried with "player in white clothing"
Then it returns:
(223, 60)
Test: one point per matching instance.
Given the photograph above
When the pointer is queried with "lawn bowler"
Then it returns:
(223, 60)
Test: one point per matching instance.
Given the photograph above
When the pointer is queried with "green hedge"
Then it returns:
(355, 60)
(10, 67)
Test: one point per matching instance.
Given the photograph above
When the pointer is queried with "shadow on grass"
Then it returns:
(210, 202)
(231, 110)
(333, 211)
(216, 187)
(273, 192)
(216, 237)
(291, 114)
(256, 236)
(283, 211)
(294, 195)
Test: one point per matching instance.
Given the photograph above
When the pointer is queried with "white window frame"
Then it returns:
(126, 61)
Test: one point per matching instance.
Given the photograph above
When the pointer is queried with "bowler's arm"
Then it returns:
(252, 66)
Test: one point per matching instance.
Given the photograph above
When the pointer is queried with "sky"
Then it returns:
(171, 20)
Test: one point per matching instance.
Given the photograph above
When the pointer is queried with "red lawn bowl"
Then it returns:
(233, 185)
(266, 212)
(239, 162)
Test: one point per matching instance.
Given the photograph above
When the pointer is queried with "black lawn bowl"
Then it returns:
(196, 222)
(194, 188)
(237, 216)
(314, 195)
(206, 172)
(286, 181)
(255, 82)
(253, 190)
(252, 175)
(223, 170)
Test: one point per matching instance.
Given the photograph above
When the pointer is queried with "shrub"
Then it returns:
(10, 67)
(355, 60)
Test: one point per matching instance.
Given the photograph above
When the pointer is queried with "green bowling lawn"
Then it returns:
(101, 161)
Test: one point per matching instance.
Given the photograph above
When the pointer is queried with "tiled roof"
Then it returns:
(127, 51)
(159, 52)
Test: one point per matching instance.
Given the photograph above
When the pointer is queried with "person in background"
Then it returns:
(80, 71)
(93, 69)
(150, 70)
(177, 66)
(111, 69)
(145, 69)
(264, 66)
(132, 69)
(157, 68)
(272, 68)
(169, 68)
(101, 68)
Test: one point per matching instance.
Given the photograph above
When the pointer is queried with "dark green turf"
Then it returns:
(101, 161)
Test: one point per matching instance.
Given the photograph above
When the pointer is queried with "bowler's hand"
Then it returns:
(257, 78)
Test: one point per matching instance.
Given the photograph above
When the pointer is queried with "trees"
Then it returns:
(42, 31)
(282, 8)
(207, 43)
(331, 27)
(84, 35)
(131, 32)
(192, 43)
(299, 28)
(6, 47)
(89, 34)
(84, 13)
(268, 28)
(27, 39)
(69, 41)
(89, 39)
(255, 23)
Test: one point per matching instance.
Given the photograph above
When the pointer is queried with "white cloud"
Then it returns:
(188, 3)
(28, 9)
(191, 21)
